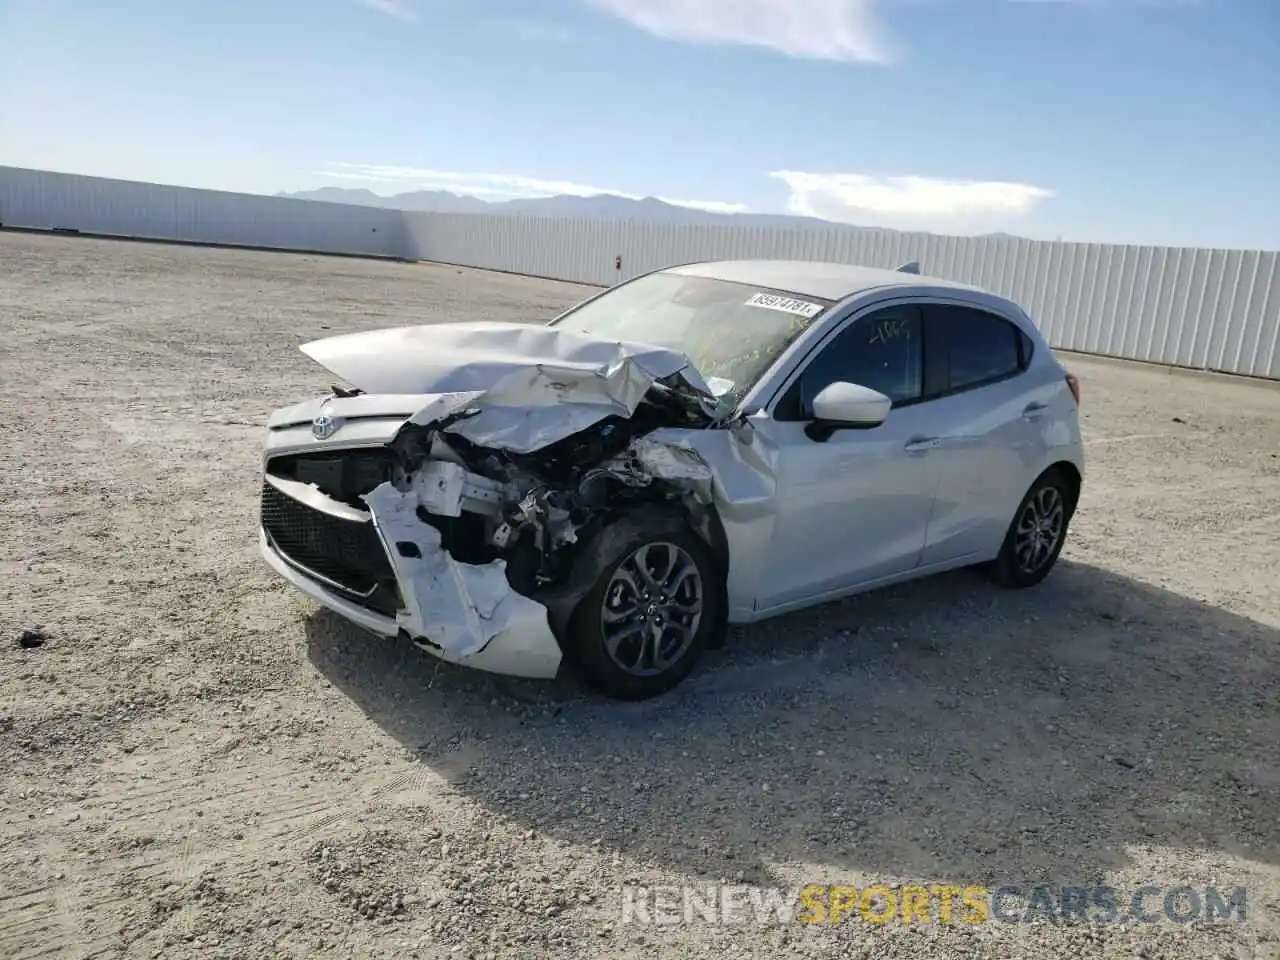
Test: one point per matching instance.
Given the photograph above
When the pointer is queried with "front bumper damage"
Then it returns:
(526, 648)
(496, 493)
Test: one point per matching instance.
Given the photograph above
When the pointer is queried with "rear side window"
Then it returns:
(967, 347)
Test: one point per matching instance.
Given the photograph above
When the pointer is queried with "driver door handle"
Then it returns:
(1034, 410)
(923, 444)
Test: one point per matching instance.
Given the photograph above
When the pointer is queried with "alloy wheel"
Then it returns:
(652, 609)
(1040, 528)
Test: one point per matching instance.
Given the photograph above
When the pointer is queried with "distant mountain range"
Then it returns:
(600, 207)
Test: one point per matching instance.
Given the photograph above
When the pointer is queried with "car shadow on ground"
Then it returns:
(943, 729)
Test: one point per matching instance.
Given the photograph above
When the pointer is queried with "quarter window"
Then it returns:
(968, 347)
(881, 351)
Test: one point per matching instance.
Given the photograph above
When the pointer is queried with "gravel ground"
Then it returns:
(198, 762)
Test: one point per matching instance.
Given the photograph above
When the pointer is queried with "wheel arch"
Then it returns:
(1072, 473)
(652, 518)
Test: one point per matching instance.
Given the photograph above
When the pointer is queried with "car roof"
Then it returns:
(826, 281)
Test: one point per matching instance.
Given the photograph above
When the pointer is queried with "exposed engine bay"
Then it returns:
(528, 508)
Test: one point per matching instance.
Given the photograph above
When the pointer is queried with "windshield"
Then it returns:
(731, 331)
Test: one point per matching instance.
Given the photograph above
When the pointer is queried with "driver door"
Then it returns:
(853, 508)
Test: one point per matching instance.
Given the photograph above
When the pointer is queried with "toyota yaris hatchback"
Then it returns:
(709, 444)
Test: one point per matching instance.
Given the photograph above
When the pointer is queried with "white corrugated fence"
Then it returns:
(1210, 309)
(42, 200)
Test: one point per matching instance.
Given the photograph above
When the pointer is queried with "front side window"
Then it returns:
(730, 331)
(881, 350)
(968, 347)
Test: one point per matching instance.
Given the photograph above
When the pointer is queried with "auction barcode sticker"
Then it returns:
(771, 301)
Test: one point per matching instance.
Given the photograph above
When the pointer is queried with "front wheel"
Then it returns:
(1037, 534)
(647, 619)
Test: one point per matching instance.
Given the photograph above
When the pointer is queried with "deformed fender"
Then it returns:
(742, 492)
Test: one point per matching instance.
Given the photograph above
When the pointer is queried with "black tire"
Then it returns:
(586, 643)
(1013, 566)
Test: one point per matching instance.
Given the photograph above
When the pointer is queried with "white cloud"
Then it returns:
(400, 9)
(498, 186)
(711, 206)
(816, 29)
(908, 202)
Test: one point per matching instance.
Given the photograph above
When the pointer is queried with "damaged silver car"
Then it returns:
(708, 444)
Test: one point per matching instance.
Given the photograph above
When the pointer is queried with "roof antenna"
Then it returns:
(912, 267)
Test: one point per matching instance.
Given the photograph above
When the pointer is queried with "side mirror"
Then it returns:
(849, 405)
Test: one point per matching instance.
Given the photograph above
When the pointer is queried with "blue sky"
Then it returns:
(1128, 121)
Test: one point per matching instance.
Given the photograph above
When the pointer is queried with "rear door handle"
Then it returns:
(922, 444)
(1033, 411)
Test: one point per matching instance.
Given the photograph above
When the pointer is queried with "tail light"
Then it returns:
(1073, 384)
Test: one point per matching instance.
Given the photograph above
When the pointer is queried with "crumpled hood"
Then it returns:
(477, 356)
(509, 385)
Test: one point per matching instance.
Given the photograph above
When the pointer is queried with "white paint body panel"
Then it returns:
(852, 509)
(525, 386)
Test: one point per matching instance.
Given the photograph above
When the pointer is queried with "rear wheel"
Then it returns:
(1037, 533)
(649, 616)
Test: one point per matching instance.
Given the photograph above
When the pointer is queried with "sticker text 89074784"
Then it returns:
(772, 301)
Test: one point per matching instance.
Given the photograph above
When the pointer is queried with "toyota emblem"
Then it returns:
(324, 426)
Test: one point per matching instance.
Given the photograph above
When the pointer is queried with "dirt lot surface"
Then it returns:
(197, 762)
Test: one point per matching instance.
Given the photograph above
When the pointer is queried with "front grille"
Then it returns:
(345, 552)
(345, 475)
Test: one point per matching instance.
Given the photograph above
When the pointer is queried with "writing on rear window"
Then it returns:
(771, 301)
